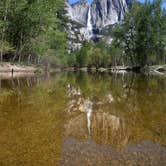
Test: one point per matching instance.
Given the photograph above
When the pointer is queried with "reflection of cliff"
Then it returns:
(86, 119)
(79, 103)
(109, 129)
(105, 129)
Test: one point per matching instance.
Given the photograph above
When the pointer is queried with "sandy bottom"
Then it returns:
(89, 153)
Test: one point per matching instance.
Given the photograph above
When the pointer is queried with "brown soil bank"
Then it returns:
(8, 67)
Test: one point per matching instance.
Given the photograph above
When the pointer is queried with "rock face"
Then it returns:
(78, 11)
(94, 18)
(107, 12)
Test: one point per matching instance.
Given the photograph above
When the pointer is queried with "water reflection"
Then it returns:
(100, 124)
(43, 119)
(78, 103)
(132, 99)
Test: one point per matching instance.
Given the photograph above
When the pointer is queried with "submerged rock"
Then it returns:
(89, 153)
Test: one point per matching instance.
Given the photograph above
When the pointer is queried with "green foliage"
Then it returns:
(139, 40)
(32, 27)
(82, 56)
(89, 55)
(142, 34)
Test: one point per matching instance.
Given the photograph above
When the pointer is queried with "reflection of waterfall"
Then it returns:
(89, 24)
(79, 103)
(94, 121)
(88, 114)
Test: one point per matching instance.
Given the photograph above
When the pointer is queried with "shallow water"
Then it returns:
(83, 119)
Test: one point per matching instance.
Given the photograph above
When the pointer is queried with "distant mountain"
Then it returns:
(91, 19)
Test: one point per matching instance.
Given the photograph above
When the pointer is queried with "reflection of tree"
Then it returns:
(134, 98)
(31, 121)
(109, 129)
(104, 127)
(20, 82)
(126, 108)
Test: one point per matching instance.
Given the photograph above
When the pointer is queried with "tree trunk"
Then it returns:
(21, 48)
(14, 58)
(29, 58)
(47, 65)
(38, 60)
(1, 56)
(19, 60)
(115, 62)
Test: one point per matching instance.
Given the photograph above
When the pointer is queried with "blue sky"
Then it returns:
(72, 1)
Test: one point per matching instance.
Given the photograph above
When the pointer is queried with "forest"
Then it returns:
(30, 30)
(34, 31)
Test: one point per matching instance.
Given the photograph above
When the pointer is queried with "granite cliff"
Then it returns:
(89, 21)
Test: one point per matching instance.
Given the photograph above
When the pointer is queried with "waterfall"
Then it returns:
(89, 24)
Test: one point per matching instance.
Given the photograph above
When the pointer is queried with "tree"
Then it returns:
(82, 56)
(141, 34)
(32, 28)
(4, 12)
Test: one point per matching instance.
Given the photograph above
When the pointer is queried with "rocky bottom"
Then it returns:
(89, 153)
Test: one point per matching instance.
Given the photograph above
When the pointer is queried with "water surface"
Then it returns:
(83, 119)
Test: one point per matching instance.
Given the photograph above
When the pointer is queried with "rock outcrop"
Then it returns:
(78, 11)
(108, 12)
(89, 21)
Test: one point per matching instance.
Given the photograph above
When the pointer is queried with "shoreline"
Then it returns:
(6, 67)
(156, 69)
(13, 69)
(10, 70)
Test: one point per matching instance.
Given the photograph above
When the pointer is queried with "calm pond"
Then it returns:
(83, 119)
